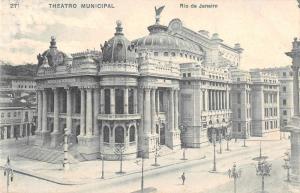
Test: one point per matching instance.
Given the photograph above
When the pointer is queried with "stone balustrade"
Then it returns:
(119, 116)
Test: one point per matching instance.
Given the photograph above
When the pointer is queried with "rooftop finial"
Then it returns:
(157, 14)
(53, 42)
(119, 28)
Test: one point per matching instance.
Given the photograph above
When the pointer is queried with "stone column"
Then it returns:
(102, 101)
(217, 100)
(5, 133)
(12, 131)
(147, 112)
(40, 109)
(55, 111)
(227, 99)
(44, 119)
(96, 111)
(171, 110)
(112, 101)
(82, 112)
(135, 101)
(21, 130)
(206, 100)
(125, 100)
(157, 102)
(141, 109)
(69, 110)
(296, 89)
(153, 112)
(221, 100)
(89, 112)
(176, 109)
(209, 100)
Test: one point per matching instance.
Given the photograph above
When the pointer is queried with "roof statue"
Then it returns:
(157, 13)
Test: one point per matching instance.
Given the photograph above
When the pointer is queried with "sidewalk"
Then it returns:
(90, 171)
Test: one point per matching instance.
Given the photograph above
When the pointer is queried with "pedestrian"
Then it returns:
(183, 178)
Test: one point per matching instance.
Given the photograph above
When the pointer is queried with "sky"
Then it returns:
(264, 28)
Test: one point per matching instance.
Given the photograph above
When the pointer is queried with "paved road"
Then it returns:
(167, 179)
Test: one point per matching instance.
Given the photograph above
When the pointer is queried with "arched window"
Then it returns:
(119, 100)
(106, 134)
(132, 134)
(119, 135)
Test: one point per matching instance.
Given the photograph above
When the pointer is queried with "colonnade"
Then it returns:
(149, 106)
(25, 129)
(218, 99)
(90, 98)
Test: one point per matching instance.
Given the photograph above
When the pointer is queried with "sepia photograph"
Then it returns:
(149, 96)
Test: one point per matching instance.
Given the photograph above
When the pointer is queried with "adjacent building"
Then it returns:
(17, 119)
(265, 103)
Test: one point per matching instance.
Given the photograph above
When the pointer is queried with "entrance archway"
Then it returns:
(119, 135)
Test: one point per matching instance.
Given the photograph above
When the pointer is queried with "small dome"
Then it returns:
(118, 48)
(53, 55)
(159, 39)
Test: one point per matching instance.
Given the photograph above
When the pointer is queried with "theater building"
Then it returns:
(169, 88)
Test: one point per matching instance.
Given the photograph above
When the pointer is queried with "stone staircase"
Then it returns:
(164, 150)
(46, 155)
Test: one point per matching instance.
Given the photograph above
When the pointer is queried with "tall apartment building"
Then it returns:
(264, 103)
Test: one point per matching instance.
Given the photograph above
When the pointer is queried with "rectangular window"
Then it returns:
(266, 98)
(189, 75)
(284, 102)
(155, 53)
(166, 53)
(239, 127)
(239, 113)
(239, 98)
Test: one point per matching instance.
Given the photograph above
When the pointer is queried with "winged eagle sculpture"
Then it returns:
(157, 13)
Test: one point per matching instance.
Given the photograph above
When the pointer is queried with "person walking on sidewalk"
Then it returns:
(183, 178)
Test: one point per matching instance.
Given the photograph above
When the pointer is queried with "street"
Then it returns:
(167, 179)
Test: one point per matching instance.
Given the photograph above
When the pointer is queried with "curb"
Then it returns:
(68, 182)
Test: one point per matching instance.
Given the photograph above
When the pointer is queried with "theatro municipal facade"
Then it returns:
(167, 89)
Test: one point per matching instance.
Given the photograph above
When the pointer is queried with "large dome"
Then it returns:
(159, 39)
(118, 48)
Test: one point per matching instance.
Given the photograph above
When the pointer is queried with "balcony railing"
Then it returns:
(119, 116)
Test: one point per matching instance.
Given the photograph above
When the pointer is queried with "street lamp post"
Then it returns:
(214, 144)
(183, 151)
(66, 164)
(220, 142)
(287, 165)
(235, 174)
(263, 169)
(157, 148)
(245, 136)
(142, 176)
(9, 172)
(102, 170)
(227, 138)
